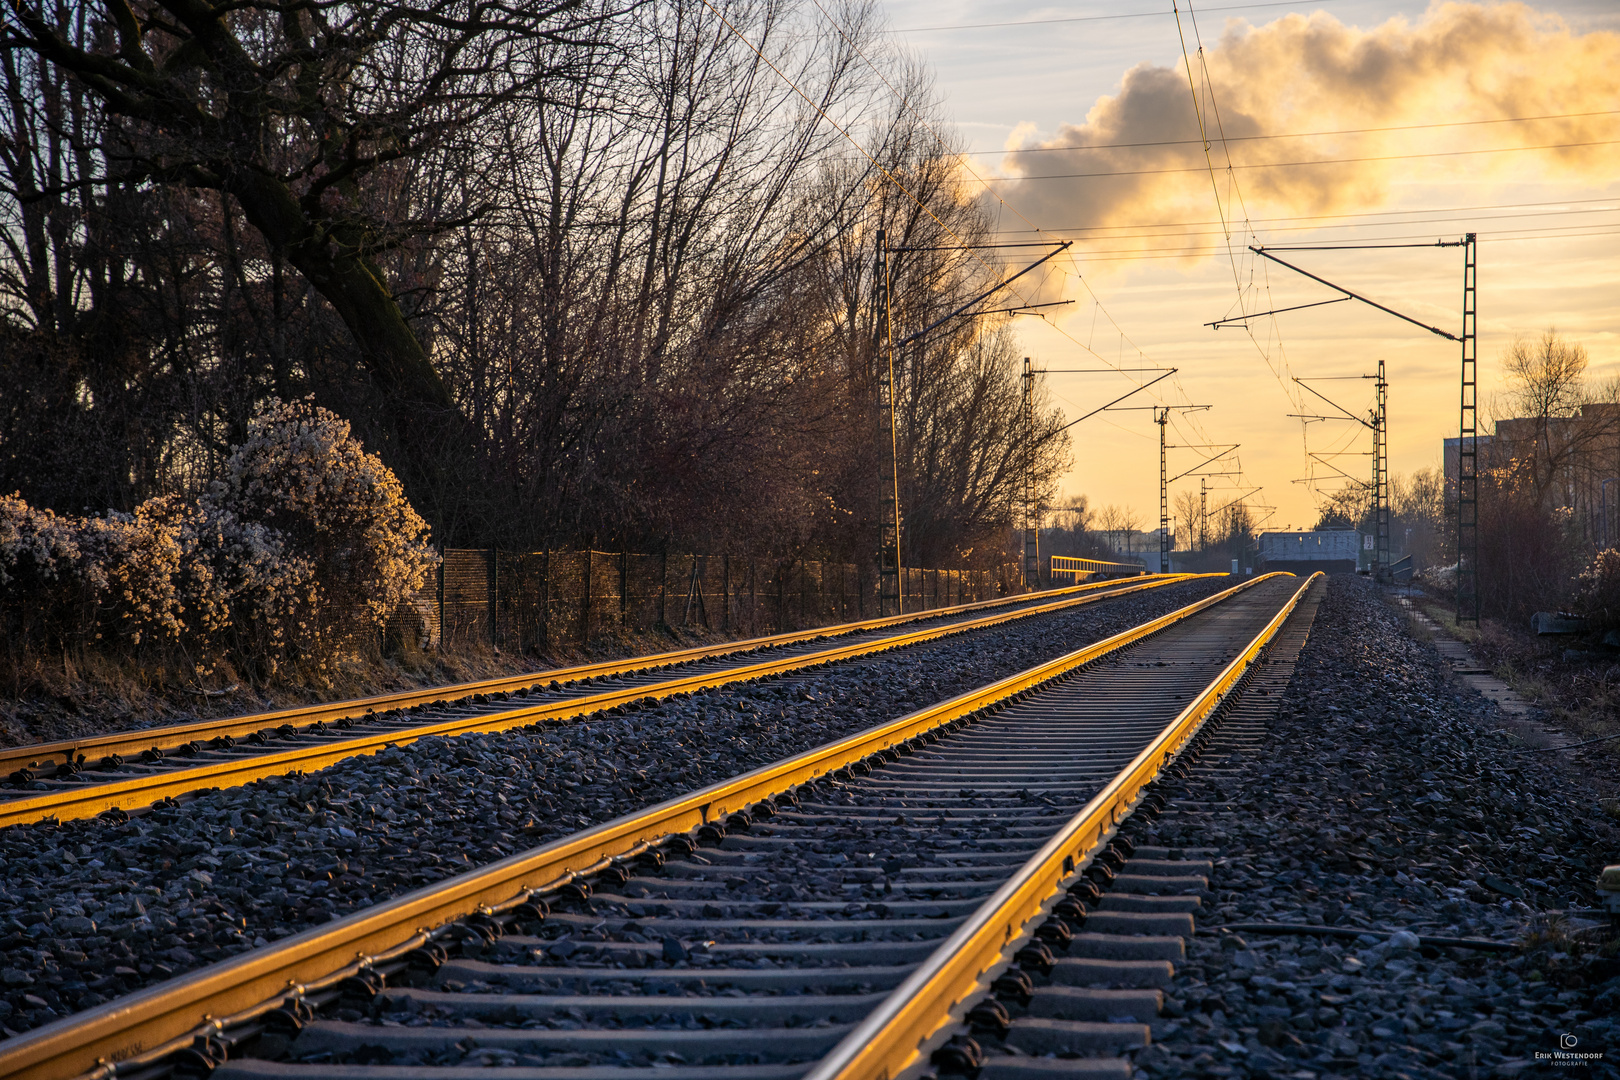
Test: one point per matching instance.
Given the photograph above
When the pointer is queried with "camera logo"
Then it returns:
(1566, 1041)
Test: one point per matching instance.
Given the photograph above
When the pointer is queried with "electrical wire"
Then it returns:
(1184, 229)
(1289, 392)
(1280, 366)
(1319, 161)
(1295, 135)
(1194, 253)
(1002, 203)
(1553, 233)
(1337, 217)
(892, 179)
(1079, 18)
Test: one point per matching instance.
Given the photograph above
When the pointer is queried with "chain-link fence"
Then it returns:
(545, 600)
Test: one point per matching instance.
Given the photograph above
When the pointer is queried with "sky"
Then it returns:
(1407, 124)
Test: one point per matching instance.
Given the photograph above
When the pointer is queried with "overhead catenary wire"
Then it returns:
(1080, 18)
(1315, 161)
(1295, 134)
(1186, 234)
(845, 133)
(1282, 373)
(1471, 210)
(1133, 254)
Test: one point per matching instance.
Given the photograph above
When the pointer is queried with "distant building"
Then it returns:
(1484, 448)
(1565, 459)
(1332, 551)
(1139, 544)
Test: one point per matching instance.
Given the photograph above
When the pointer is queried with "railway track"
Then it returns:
(950, 883)
(130, 769)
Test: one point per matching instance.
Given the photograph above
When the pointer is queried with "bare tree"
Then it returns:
(1343, 508)
(302, 112)
(1554, 427)
(1418, 516)
(1185, 512)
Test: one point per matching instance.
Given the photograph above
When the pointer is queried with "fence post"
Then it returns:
(663, 587)
(441, 596)
(494, 595)
(753, 600)
(585, 602)
(545, 602)
(725, 593)
(624, 590)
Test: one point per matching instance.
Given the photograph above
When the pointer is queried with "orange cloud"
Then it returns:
(1460, 63)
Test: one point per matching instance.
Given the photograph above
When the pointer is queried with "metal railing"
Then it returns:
(1082, 568)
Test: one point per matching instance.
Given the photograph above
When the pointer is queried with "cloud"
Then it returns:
(1459, 63)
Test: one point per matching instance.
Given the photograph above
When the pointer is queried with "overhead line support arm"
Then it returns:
(983, 296)
(1263, 253)
(1206, 461)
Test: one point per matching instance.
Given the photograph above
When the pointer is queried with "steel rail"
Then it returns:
(910, 1021)
(173, 1014)
(170, 736)
(71, 803)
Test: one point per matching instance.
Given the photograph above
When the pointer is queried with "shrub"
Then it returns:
(246, 596)
(128, 564)
(302, 475)
(1597, 594)
(40, 582)
(68, 580)
(306, 541)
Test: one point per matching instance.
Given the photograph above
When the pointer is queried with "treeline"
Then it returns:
(583, 274)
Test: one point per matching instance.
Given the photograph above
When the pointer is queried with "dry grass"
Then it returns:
(1578, 687)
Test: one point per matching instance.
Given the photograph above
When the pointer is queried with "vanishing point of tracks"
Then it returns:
(130, 769)
(945, 893)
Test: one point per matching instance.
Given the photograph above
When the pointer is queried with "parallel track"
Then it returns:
(845, 907)
(131, 743)
(211, 757)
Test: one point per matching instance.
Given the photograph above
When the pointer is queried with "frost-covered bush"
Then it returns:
(305, 541)
(303, 475)
(129, 564)
(78, 580)
(246, 596)
(40, 582)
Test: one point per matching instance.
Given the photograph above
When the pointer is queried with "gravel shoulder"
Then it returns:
(1383, 799)
(96, 909)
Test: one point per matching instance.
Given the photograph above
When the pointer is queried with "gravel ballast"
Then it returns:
(1385, 800)
(96, 909)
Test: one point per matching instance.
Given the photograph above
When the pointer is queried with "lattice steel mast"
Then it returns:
(1468, 451)
(1380, 485)
(1031, 508)
(1162, 418)
(1467, 427)
(891, 574)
